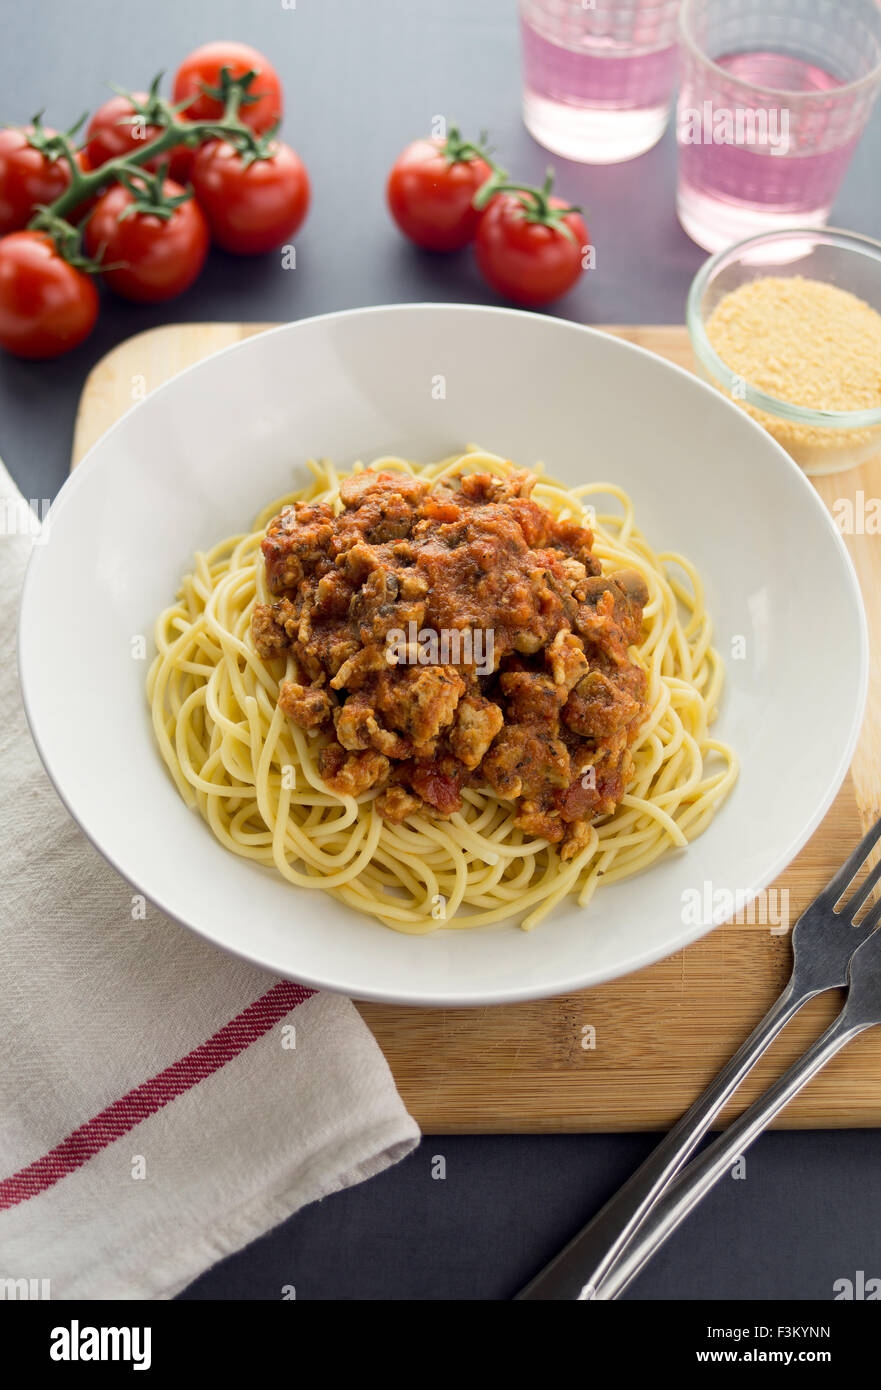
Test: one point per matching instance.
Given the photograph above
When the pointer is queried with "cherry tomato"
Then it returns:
(251, 208)
(46, 305)
(430, 195)
(27, 177)
(203, 68)
(110, 134)
(526, 261)
(161, 257)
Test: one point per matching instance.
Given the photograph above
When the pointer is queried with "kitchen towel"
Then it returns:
(161, 1103)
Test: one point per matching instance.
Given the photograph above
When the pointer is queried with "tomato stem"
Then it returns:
(53, 147)
(535, 202)
(148, 193)
(67, 239)
(459, 151)
(147, 110)
(173, 132)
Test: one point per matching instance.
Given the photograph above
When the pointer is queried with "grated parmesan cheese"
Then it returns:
(809, 343)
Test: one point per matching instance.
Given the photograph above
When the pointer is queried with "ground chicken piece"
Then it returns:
(527, 642)
(574, 571)
(305, 705)
(353, 722)
(380, 506)
(532, 696)
(598, 707)
(358, 560)
(566, 658)
(484, 487)
(267, 633)
(626, 674)
(515, 602)
(414, 585)
(525, 760)
(395, 804)
(547, 825)
(577, 837)
(358, 668)
(375, 609)
(336, 651)
(351, 774)
(477, 723)
(357, 488)
(374, 601)
(419, 702)
(387, 742)
(333, 595)
(357, 728)
(296, 542)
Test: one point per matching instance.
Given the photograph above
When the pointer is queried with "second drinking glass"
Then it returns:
(773, 98)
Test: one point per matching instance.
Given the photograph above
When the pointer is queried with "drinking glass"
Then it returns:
(598, 75)
(773, 98)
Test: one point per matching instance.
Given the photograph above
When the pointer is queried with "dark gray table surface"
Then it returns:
(362, 78)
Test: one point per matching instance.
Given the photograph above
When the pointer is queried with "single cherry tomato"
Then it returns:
(111, 135)
(430, 192)
(251, 208)
(46, 306)
(203, 67)
(529, 261)
(161, 257)
(27, 177)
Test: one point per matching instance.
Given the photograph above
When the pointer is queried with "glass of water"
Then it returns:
(773, 98)
(598, 75)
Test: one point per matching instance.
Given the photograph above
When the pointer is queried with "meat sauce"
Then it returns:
(546, 723)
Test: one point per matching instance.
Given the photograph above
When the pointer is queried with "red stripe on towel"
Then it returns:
(150, 1096)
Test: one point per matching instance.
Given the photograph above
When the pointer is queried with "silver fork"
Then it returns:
(610, 1250)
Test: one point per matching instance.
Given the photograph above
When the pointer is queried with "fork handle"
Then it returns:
(587, 1258)
(716, 1160)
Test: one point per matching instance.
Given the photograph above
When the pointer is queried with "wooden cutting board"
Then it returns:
(659, 1035)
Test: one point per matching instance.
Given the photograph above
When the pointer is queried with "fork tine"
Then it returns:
(855, 902)
(850, 868)
(871, 920)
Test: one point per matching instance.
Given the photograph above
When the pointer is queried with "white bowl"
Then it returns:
(198, 458)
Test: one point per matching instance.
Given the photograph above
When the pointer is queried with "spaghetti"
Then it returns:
(253, 774)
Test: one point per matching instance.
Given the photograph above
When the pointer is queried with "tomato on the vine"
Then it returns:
(46, 305)
(112, 135)
(160, 256)
(530, 252)
(431, 190)
(28, 176)
(253, 206)
(203, 67)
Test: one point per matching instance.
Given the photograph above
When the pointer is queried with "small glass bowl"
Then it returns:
(820, 441)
